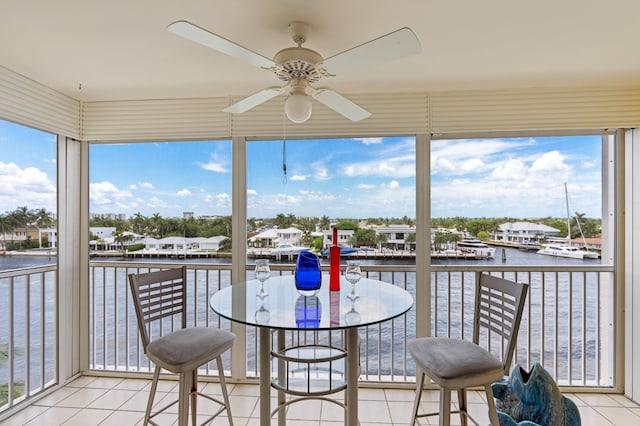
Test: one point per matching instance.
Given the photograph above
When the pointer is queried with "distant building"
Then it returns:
(187, 215)
(523, 232)
(343, 238)
(270, 238)
(397, 236)
(102, 232)
(112, 216)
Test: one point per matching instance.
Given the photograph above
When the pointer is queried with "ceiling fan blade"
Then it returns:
(199, 35)
(254, 100)
(395, 45)
(340, 104)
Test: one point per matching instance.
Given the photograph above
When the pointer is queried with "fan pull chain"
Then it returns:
(284, 148)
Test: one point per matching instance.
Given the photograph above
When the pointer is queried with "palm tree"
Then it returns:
(138, 223)
(23, 217)
(325, 222)
(43, 218)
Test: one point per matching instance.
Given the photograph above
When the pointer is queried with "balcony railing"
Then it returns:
(28, 333)
(567, 324)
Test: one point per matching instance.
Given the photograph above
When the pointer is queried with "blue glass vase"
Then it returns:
(308, 275)
(308, 312)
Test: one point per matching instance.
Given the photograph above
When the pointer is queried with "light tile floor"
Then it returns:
(103, 401)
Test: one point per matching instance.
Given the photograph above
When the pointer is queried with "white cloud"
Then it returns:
(183, 193)
(370, 141)
(474, 165)
(400, 166)
(29, 187)
(155, 202)
(366, 186)
(394, 184)
(299, 177)
(215, 164)
(252, 192)
(146, 185)
(320, 172)
(223, 200)
(510, 169)
(105, 192)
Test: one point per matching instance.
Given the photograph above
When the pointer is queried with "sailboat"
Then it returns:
(563, 247)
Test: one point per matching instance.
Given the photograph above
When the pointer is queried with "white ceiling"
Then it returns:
(120, 49)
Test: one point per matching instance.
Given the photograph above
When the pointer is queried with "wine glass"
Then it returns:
(262, 315)
(353, 317)
(353, 275)
(262, 273)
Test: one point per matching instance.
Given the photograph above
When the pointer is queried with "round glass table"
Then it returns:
(285, 309)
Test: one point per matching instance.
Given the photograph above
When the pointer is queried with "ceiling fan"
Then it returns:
(300, 67)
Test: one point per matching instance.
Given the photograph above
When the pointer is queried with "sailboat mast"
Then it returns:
(566, 197)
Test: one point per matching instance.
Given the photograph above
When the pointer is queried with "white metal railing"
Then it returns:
(567, 326)
(28, 333)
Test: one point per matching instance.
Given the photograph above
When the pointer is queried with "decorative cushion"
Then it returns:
(188, 348)
(455, 363)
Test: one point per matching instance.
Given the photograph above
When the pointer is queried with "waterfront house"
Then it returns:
(272, 237)
(212, 243)
(396, 235)
(523, 232)
(92, 73)
(344, 236)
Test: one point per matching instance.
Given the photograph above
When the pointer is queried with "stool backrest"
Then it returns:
(158, 295)
(498, 310)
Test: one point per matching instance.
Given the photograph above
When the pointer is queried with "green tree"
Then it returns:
(381, 239)
(364, 237)
(225, 245)
(139, 224)
(325, 222)
(410, 239)
(43, 218)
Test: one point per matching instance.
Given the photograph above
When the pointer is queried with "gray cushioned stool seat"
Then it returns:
(449, 362)
(188, 348)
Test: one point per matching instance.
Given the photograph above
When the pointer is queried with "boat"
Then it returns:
(286, 250)
(476, 247)
(563, 247)
(562, 250)
(530, 245)
(343, 251)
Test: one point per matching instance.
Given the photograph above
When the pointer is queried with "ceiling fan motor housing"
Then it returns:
(297, 62)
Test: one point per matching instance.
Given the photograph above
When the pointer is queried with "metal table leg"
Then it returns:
(282, 414)
(265, 376)
(352, 377)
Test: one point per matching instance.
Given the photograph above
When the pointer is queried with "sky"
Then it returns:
(351, 177)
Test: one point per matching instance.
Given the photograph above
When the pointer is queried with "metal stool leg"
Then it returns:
(416, 402)
(223, 386)
(152, 395)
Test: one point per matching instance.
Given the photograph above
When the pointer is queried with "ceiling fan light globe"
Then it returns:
(298, 108)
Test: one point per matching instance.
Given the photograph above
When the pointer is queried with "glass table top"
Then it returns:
(285, 308)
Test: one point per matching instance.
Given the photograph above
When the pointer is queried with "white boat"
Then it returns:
(565, 249)
(476, 247)
(530, 245)
(286, 250)
(562, 250)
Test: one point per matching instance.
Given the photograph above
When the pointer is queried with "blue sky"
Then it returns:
(369, 177)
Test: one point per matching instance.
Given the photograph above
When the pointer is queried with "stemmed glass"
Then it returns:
(353, 275)
(262, 314)
(352, 317)
(262, 273)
